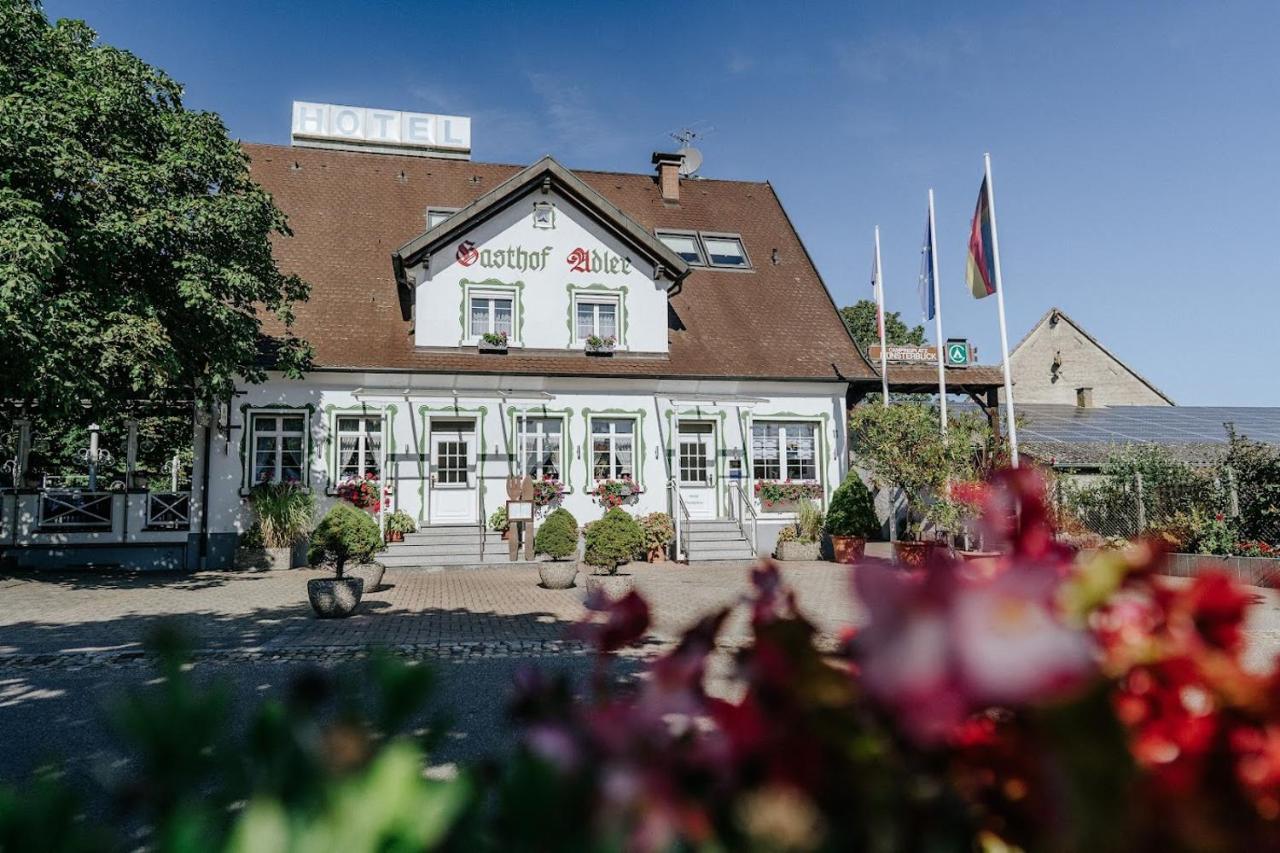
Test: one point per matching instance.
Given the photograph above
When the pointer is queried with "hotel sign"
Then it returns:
(332, 125)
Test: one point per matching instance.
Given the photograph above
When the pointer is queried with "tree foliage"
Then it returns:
(135, 250)
(615, 539)
(860, 318)
(345, 533)
(852, 511)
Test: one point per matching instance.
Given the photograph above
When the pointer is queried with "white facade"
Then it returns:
(447, 457)
(547, 275)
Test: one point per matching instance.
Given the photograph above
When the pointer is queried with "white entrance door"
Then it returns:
(453, 467)
(697, 457)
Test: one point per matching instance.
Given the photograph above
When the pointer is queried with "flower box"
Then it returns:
(493, 342)
(786, 495)
(601, 346)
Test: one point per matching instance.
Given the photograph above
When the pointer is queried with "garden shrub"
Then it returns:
(498, 521)
(558, 535)
(614, 539)
(284, 513)
(852, 511)
(659, 532)
(809, 521)
(345, 533)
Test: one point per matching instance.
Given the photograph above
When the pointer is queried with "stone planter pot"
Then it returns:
(335, 598)
(807, 551)
(487, 347)
(557, 574)
(848, 549)
(271, 559)
(914, 555)
(603, 349)
(613, 586)
(370, 573)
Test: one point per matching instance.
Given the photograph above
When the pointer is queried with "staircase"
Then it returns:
(445, 545)
(716, 539)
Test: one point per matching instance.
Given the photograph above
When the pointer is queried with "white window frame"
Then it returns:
(534, 439)
(782, 459)
(280, 435)
(725, 235)
(363, 452)
(597, 300)
(692, 235)
(446, 212)
(473, 334)
(615, 466)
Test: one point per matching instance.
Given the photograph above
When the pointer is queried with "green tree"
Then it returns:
(860, 318)
(135, 250)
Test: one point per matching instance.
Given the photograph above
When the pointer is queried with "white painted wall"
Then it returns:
(657, 404)
(545, 302)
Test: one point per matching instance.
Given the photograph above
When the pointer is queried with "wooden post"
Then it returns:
(513, 529)
(526, 494)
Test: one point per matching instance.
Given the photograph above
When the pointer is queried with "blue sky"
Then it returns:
(1134, 145)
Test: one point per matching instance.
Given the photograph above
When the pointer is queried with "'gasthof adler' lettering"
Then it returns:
(510, 258)
(580, 260)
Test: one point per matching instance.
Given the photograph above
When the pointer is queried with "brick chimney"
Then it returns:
(668, 175)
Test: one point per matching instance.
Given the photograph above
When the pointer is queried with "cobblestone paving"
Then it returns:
(76, 621)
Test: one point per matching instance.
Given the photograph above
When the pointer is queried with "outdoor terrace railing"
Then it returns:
(75, 510)
(168, 510)
(741, 507)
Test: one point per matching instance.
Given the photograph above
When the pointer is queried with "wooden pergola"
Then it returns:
(979, 383)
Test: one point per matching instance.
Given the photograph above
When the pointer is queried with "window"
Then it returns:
(612, 448)
(279, 443)
(436, 215)
(597, 318)
(491, 314)
(684, 245)
(544, 215)
(725, 251)
(359, 446)
(784, 451)
(540, 447)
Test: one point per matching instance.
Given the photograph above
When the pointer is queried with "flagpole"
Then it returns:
(1004, 333)
(937, 314)
(884, 350)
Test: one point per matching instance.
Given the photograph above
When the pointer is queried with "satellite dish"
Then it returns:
(690, 160)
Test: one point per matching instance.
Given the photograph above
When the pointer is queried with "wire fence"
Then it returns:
(1205, 514)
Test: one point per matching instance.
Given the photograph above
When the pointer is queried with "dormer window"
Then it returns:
(436, 215)
(684, 245)
(725, 251)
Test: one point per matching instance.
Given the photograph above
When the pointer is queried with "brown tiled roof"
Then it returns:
(349, 211)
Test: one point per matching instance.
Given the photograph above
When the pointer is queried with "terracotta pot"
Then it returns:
(613, 586)
(658, 555)
(335, 598)
(848, 549)
(977, 555)
(395, 536)
(800, 551)
(370, 573)
(913, 555)
(557, 574)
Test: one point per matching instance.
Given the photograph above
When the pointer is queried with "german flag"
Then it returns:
(980, 272)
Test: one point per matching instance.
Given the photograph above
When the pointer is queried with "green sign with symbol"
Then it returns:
(958, 353)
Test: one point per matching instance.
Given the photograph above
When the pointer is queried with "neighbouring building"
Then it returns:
(663, 335)
(1058, 362)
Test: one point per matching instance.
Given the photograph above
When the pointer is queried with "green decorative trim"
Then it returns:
(517, 305)
(820, 459)
(638, 458)
(566, 444)
(479, 414)
(248, 412)
(624, 320)
(697, 413)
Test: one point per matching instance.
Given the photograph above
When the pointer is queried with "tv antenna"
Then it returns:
(690, 157)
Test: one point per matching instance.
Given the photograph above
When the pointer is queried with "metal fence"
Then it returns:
(1195, 514)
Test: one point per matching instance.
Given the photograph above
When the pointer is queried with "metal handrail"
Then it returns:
(680, 517)
(480, 519)
(745, 503)
(684, 524)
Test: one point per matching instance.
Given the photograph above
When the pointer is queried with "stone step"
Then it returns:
(440, 549)
(743, 553)
(412, 562)
(712, 524)
(716, 535)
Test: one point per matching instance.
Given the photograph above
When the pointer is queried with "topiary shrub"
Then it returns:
(613, 540)
(852, 511)
(345, 533)
(558, 535)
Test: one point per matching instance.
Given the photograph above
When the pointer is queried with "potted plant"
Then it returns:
(802, 540)
(557, 538)
(786, 495)
(659, 533)
(547, 492)
(398, 524)
(493, 342)
(344, 534)
(851, 519)
(498, 521)
(284, 513)
(613, 540)
(614, 493)
(597, 345)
